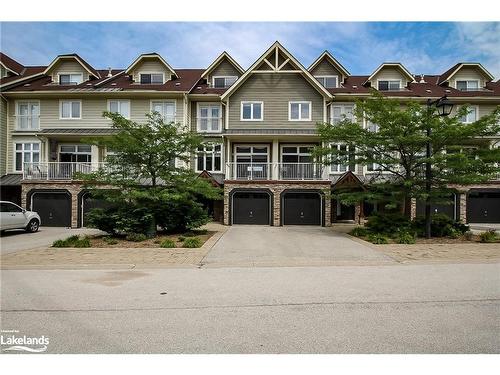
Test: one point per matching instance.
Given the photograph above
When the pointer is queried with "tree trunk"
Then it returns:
(407, 207)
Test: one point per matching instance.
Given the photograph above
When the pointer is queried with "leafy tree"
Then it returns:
(394, 144)
(140, 183)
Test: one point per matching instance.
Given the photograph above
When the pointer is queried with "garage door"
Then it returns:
(301, 208)
(251, 208)
(447, 209)
(54, 208)
(483, 206)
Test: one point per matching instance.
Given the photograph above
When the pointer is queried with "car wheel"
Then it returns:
(33, 226)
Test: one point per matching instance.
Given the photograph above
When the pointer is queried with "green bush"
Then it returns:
(192, 242)
(110, 240)
(489, 236)
(441, 226)
(200, 231)
(168, 243)
(189, 234)
(405, 238)
(378, 239)
(136, 237)
(181, 238)
(73, 241)
(123, 219)
(359, 232)
(388, 223)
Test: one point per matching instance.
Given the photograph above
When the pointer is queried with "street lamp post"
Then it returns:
(444, 108)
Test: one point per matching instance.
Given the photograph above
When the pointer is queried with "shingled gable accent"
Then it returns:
(218, 60)
(446, 76)
(80, 61)
(348, 179)
(149, 55)
(332, 60)
(399, 66)
(275, 67)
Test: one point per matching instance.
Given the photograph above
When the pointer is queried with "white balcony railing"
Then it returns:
(209, 124)
(58, 170)
(275, 171)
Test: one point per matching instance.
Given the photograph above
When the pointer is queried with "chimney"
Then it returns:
(109, 72)
(422, 80)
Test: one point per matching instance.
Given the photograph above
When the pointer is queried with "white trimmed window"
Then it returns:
(339, 112)
(222, 82)
(26, 153)
(209, 118)
(467, 85)
(70, 79)
(252, 111)
(299, 111)
(469, 117)
(389, 85)
(330, 82)
(165, 108)
(152, 78)
(28, 116)
(71, 109)
(121, 107)
(209, 158)
(340, 168)
(371, 127)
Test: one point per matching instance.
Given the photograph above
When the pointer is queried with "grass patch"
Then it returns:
(136, 237)
(73, 241)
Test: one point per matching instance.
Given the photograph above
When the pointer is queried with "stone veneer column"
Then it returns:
(276, 190)
(463, 206)
(413, 209)
(357, 212)
(328, 211)
(226, 204)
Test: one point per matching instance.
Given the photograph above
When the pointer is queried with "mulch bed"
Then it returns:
(100, 241)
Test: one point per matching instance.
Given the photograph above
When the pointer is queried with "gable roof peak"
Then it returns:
(11, 65)
(326, 54)
(150, 54)
(75, 56)
(455, 68)
(218, 60)
(398, 65)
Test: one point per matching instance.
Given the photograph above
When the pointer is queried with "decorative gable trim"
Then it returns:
(146, 55)
(332, 60)
(399, 66)
(218, 60)
(454, 70)
(348, 179)
(80, 61)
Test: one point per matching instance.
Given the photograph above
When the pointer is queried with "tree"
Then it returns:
(141, 184)
(394, 146)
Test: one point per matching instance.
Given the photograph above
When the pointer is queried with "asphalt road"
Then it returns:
(451, 308)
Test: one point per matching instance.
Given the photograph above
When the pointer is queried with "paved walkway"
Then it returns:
(244, 245)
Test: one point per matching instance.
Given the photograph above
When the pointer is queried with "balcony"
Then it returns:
(275, 171)
(58, 171)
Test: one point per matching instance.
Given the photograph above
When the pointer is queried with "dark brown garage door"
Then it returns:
(54, 208)
(251, 208)
(447, 209)
(302, 208)
(483, 206)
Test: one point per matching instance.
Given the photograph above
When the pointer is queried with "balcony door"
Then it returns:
(72, 158)
(297, 163)
(251, 162)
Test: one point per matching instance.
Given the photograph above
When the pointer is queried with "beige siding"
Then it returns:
(3, 72)
(150, 65)
(225, 68)
(194, 115)
(324, 68)
(3, 136)
(468, 73)
(68, 66)
(389, 73)
(275, 90)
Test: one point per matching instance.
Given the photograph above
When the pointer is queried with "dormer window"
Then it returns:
(70, 79)
(152, 78)
(468, 85)
(223, 82)
(330, 82)
(389, 85)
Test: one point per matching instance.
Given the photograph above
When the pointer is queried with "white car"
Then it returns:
(14, 217)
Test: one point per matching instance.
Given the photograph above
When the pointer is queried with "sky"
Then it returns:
(423, 47)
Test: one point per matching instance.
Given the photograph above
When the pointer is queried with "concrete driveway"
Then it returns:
(244, 245)
(17, 240)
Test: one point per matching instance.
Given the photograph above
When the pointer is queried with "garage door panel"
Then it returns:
(54, 208)
(301, 209)
(251, 208)
(483, 207)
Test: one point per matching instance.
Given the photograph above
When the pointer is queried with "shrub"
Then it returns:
(136, 237)
(388, 223)
(181, 238)
(110, 240)
(168, 243)
(378, 239)
(359, 232)
(189, 234)
(73, 241)
(405, 238)
(200, 231)
(192, 242)
(488, 236)
(441, 225)
(123, 219)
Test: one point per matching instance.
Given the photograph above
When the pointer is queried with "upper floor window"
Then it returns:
(340, 112)
(26, 153)
(330, 82)
(70, 78)
(152, 78)
(342, 151)
(223, 81)
(208, 158)
(121, 107)
(71, 109)
(252, 111)
(209, 117)
(389, 85)
(299, 111)
(27, 115)
(165, 108)
(467, 85)
(371, 127)
(470, 117)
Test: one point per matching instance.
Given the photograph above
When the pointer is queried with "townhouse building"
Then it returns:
(259, 127)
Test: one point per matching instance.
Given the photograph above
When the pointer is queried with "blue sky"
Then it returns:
(360, 46)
